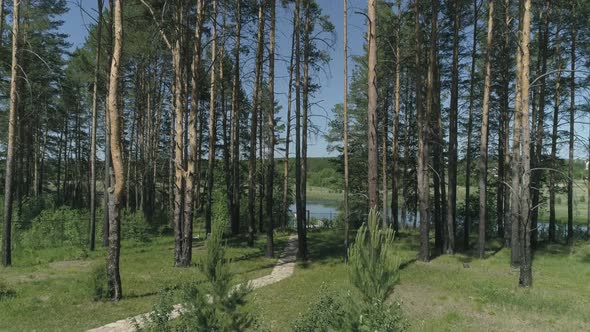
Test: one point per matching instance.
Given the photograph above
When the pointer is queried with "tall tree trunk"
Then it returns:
(212, 122)
(526, 273)
(372, 106)
(306, 59)
(483, 147)
(536, 163)
(187, 233)
(454, 109)
(271, 135)
(505, 100)
(117, 190)
(94, 125)
(396, 114)
(10, 148)
(345, 143)
(467, 222)
(423, 188)
(516, 203)
(433, 119)
(235, 129)
(554, 135)
(254, 125)
(301, 235)
(288, 134)
(570, 178)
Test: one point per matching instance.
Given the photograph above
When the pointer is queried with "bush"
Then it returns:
(326, 314)
(54, 228)
(99, 283)
(134, 226)
(6, 292)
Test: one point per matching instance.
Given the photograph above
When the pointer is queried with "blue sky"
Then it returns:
(82, 13)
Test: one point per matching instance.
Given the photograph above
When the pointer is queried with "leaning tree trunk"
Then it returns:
(285, 209)
(10, 148)
(483, 148)
(117, 190)
(372, 106)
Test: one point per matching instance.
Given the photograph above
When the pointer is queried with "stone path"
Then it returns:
(282, 270)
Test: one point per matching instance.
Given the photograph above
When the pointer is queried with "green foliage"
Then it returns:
(326, 314)
(53, 228)
(218, 307)
(99, 283)
(6, 291)
(373, 262)
(378, 317)
(135, 226)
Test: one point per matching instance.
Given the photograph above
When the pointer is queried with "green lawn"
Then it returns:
(450, 293)
(445, 294)
(54, 292)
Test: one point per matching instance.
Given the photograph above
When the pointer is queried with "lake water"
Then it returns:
(320, 209)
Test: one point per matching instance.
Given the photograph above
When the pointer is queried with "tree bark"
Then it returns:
(288, 134)
(301, 236)
(483, 148)
(570, 178)
(372, 106)
(467, 222)
(235, 129)
(271, 135)
(423, 188)
(212, 122)
(516, 203)
(253, 130)
(526, 273)
(187, 233)
(554, 135)
(454, 109)
(345, 142)
(94, 125)
(116, 191)
(10, 148)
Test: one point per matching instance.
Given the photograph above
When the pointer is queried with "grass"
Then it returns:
(54, 292)
(450, 293)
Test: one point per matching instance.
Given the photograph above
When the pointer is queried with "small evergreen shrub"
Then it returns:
(213, 306)
(373, 263)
